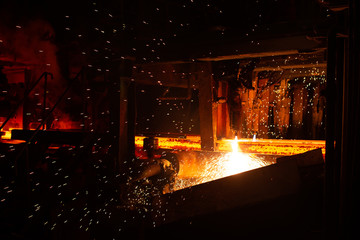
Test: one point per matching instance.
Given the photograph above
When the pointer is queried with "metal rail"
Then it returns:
(43, 75)
(48, 115)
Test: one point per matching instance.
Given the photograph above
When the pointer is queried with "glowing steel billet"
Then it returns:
(260, 146)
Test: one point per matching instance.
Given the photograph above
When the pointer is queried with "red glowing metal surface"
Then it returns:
(233, 156)
(280, 147)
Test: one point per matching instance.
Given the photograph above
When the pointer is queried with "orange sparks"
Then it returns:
(199, 168)
(236, 161)
(233, 156)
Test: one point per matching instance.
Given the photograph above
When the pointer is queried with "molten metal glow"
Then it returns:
(195, 171)
(281, 147)
(7, 135)
(63, 124)
(233, 156)
(236, 161)
(190, 143)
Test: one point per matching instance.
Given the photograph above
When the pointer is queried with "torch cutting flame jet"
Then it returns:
(235, 145)
(237, 161)
(193, 172)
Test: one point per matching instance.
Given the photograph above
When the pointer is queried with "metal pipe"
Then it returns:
(44, 98)
(340, 76)
(329, 217)
(350, 167)
(84, 101)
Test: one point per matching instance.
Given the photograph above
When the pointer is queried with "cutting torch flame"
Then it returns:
(231, 163)
(254, 138)
(237, 161)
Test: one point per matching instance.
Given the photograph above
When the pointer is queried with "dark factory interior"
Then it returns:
(184, 119)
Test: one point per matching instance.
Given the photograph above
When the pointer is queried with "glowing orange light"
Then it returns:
(190, 143)
(236, 161)
(7, 134)
(197, 169)
(281, 147)
(233, 156)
